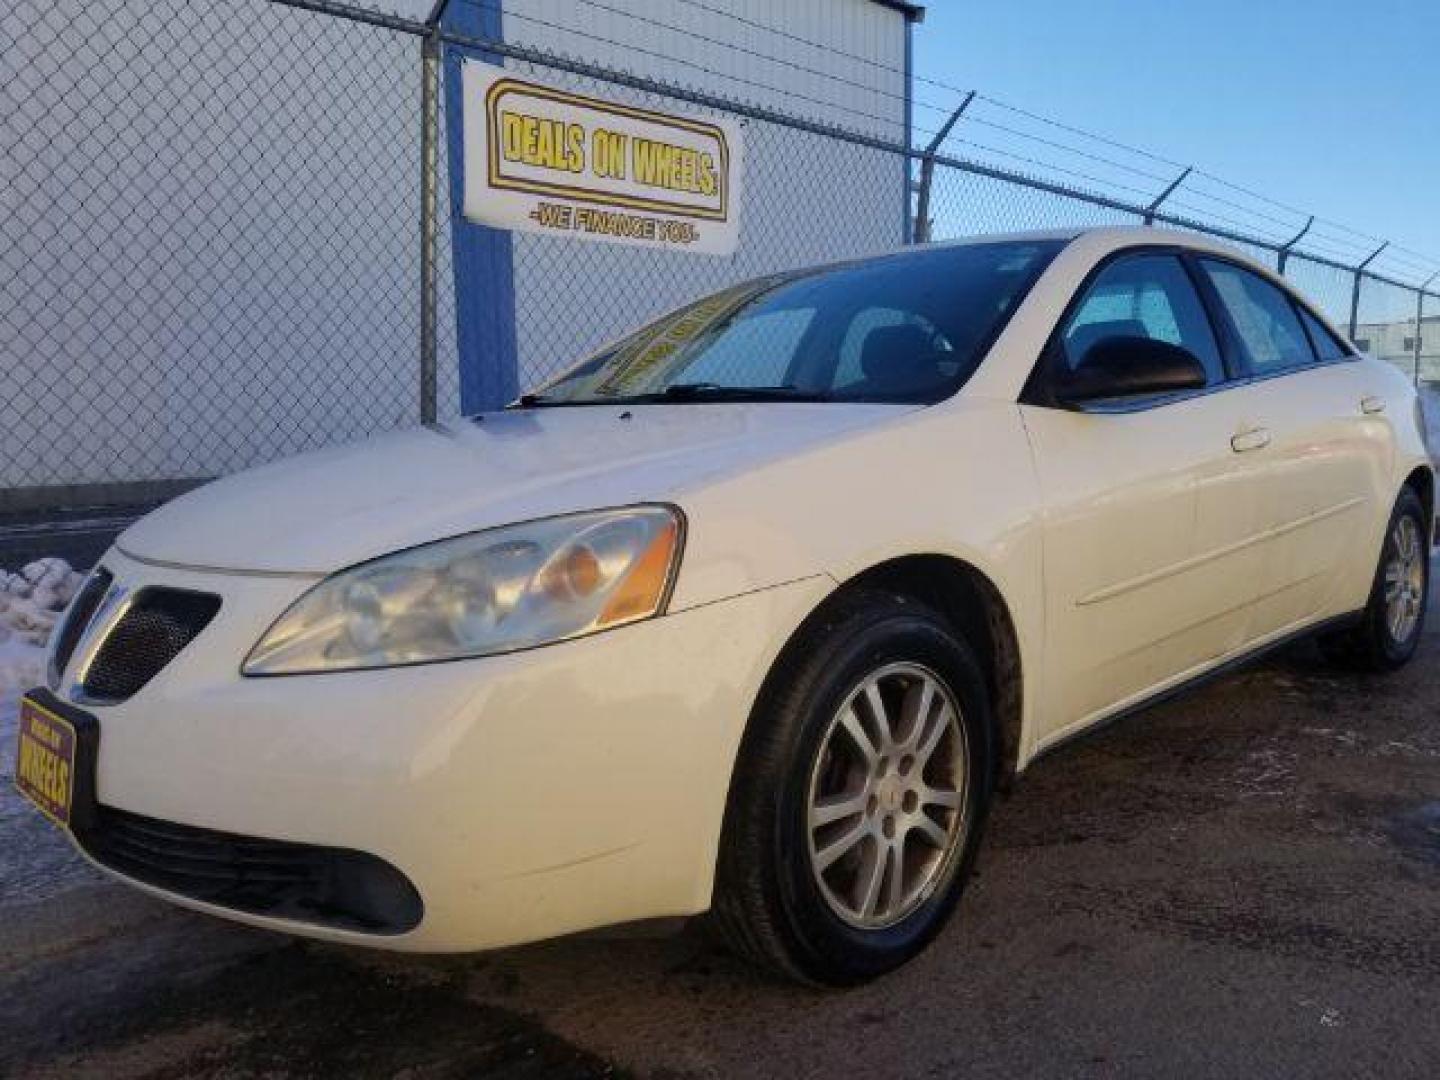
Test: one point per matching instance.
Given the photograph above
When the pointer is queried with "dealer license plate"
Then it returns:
(45, 761)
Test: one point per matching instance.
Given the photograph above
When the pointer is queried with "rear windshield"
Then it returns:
(910, 327)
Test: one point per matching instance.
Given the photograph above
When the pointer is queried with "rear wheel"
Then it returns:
(859, 794)
(1389, 629)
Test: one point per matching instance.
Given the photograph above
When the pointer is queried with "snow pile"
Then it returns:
(21, 667)
(30, 604)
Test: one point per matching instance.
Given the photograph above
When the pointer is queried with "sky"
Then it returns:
(1330, 106)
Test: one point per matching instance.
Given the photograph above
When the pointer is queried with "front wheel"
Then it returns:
(1389, 629)
(859, 795)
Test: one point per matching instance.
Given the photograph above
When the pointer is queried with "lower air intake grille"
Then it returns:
(155, 627)
(325, 886)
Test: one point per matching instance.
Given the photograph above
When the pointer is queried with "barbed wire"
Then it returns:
(1053, 168)
(1157, 177)
(1426, 262)
(1288, 227)
(787, 62)
(1395, 254)
(1347, 248)
(830, 49)
(782, 91)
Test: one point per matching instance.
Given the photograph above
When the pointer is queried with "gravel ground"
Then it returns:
(1244, 882)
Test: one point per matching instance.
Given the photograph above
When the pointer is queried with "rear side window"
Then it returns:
(1264, 319)
(1327, 346)
(1149, 296)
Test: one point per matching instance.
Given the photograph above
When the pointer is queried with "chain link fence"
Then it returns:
(211, 247)
(210, 252)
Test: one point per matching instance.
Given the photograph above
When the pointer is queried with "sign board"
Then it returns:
(541, 159)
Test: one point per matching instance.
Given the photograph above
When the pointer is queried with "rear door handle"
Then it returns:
(1250, 440)
(1372, 404)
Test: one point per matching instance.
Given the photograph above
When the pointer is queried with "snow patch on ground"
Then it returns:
(20, 668)
(31, 601)
(35, 860)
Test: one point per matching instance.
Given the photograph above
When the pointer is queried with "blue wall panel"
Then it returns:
(484, 277)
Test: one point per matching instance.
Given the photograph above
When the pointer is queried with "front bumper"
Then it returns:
(524, 796)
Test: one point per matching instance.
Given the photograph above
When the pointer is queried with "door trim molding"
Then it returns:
(1109, 592)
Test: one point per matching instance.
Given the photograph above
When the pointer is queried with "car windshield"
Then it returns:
(903, 328)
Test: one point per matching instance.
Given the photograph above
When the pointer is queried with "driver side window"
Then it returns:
(1145, 296)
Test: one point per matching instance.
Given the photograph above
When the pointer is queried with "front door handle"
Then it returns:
(1250, 440)
(1372, 404)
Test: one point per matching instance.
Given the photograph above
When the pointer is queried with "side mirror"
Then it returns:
(1117, 367)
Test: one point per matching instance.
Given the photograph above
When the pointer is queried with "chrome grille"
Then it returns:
(81, 611)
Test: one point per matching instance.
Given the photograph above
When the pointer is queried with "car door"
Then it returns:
(1315, 446)
(1144, 509)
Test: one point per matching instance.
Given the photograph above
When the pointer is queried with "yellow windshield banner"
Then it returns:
(542, 159)
(641, 365)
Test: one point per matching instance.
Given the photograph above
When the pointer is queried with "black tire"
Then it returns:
(768, 906)
(1370, 645)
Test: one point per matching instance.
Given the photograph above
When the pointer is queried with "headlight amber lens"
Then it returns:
(476, 595)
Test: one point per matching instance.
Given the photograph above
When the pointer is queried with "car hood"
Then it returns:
(331, 508)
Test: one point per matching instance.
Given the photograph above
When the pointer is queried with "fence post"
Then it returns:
(1355, 291)
(429, 206)
(921, 233)
(1285, 248)
(1420, 322)
(1150, 210)
(429, 163)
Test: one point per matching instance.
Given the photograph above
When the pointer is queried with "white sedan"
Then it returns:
(752, 612)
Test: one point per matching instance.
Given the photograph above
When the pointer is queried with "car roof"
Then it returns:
(1103, 236)
(1091, 243)
(1100, 242)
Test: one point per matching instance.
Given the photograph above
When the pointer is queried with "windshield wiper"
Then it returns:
(698, 391)
(538, 401)
(704, 391)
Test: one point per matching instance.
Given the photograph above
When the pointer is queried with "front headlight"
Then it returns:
(487, 592)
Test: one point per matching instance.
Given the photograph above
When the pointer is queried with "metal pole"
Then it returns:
(1150, 210)
(1355, 292)
(921, 232)
(1289, 244)
(1420, 322)
(429, 165)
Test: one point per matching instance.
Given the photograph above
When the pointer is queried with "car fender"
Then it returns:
(956, 482)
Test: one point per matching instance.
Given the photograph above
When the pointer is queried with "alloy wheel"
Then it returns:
(1404, 580)
(887, 796)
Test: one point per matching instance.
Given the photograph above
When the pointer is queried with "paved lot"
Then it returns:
(1245, 882)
